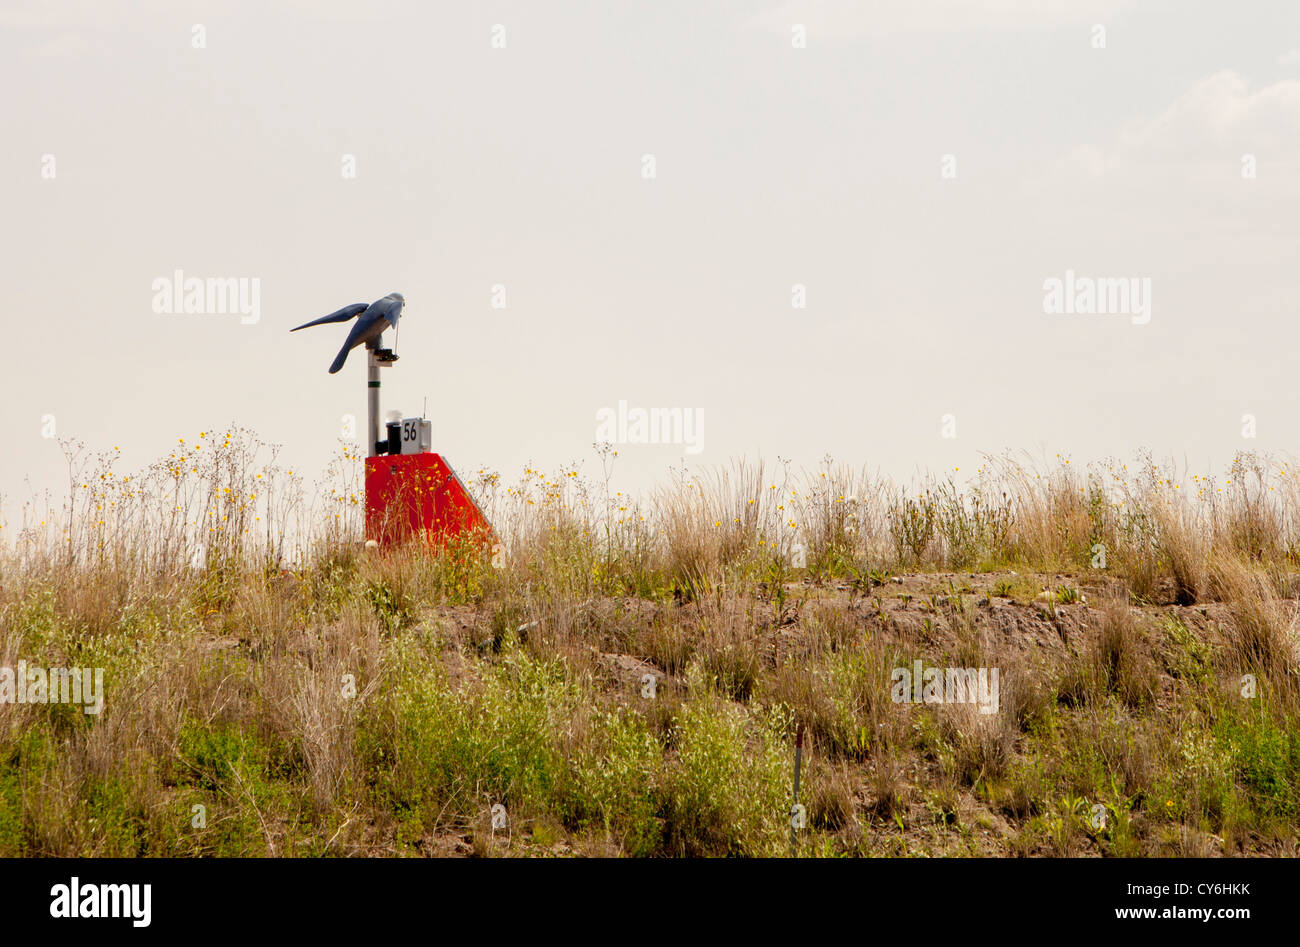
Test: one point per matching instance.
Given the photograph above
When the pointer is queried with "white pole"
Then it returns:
(372, 396)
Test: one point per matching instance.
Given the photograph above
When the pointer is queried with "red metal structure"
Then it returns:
(409, 495)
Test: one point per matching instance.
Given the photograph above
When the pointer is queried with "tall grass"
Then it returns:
(313, 696)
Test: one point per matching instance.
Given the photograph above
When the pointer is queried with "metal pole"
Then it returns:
(798, 758)
(372, 396)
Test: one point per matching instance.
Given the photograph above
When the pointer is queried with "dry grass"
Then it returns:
(316, 698)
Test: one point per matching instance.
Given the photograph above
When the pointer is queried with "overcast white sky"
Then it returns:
(775, 165)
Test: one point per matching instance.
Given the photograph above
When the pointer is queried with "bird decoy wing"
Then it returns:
(369, 326)
(343, 315)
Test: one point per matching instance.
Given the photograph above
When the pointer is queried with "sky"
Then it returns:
(816, 227)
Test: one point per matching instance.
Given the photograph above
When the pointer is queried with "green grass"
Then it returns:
(383, 702)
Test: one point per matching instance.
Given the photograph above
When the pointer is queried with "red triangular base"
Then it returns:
(410, 495)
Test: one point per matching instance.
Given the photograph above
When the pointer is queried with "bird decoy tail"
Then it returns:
(340, 359)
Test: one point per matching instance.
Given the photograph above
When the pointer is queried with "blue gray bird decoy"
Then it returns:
(372, 320)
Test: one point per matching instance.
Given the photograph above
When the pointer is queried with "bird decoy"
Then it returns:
(372, 320)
